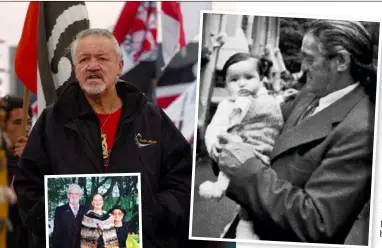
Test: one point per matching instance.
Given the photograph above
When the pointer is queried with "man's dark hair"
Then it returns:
(335, 36)
(14, 102)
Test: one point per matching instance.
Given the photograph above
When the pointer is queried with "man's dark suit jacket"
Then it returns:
(66, 230)
(320, 174)
(359, 234)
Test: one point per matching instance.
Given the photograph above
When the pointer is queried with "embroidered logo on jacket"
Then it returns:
(141, 142)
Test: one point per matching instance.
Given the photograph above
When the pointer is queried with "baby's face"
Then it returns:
(243, 79)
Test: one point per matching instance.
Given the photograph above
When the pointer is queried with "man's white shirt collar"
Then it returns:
(72, 208)
(328, 100)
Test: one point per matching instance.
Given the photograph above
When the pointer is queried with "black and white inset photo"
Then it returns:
(95, 210)
(285, 132)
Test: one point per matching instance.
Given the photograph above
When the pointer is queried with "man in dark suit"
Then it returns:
(359, 234)
(67, 220)
(321, 166)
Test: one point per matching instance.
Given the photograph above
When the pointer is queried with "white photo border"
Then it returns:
(138, 175)
(375, 138)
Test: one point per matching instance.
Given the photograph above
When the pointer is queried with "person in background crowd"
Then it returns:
(96, 126)
(8, 195)
(13, 144)
(12, 136)
(67, 220)
(323, 157)
(2, 113)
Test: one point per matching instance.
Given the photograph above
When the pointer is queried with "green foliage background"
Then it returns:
(116, 190)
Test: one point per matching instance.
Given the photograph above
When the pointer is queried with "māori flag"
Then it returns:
(136, 32)
(43, 61)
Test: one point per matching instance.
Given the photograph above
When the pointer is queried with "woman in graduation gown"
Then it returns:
(97, 228)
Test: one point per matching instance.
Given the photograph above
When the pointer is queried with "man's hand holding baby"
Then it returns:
(215, 150)
(234, 153)
(217, 146)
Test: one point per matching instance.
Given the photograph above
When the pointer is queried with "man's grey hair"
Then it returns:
(75, 187)
(98, 32)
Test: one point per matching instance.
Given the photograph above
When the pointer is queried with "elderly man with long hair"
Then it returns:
(319, 179)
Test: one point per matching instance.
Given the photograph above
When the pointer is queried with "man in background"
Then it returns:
(12, 136)
(13, 144)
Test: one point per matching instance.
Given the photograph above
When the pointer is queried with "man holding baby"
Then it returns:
(319, 177)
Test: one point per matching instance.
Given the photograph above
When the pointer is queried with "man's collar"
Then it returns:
(71, 206)
(334, 96)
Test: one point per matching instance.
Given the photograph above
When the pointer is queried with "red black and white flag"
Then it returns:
(173, 36)
(43, 62)
(148, 57)
(136, 31)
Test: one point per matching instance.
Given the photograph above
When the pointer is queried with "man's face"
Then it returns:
(117, 214)
(320, 71)
(13, 125)
(74, 197)
(97, 65)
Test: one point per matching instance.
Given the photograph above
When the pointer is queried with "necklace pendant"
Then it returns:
(105, 152)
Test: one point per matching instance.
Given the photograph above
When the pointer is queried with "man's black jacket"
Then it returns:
(66, 140)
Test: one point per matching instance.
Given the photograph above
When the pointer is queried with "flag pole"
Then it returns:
(25, 111)
(159, 41)
(159, 22)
